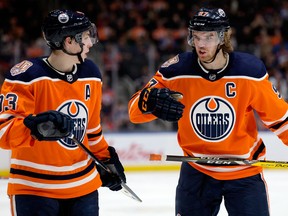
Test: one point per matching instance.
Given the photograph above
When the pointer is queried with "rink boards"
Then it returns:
(134, 150)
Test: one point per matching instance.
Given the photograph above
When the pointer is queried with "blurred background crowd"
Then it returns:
(137, 36)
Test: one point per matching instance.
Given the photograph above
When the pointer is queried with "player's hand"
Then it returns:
(114, 179)
(162, 103)
(50, 125)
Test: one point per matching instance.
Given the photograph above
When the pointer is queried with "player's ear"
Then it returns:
(68, 40)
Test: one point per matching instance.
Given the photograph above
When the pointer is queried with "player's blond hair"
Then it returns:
(227, 44)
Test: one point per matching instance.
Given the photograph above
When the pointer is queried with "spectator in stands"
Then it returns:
(121, 22)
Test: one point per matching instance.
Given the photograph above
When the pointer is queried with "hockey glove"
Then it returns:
(162, 103)
(114, 179)
(50, 125)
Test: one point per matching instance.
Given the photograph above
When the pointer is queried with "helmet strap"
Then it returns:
(80, 58)
(77, 54)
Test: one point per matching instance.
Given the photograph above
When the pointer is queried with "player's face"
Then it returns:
(205, 44)
(87, 41)
(74, 47)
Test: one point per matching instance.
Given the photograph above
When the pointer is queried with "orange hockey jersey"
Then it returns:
(219, 118)
(56, 169)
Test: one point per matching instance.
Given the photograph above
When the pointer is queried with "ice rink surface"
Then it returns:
(157, 190)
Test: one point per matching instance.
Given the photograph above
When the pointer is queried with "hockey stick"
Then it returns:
(47, 130)
(216, 161)
(125, 189)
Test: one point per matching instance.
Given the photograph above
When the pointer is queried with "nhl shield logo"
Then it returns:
(69, 77)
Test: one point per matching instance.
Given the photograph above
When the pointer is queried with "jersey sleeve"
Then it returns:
(271, 108)
(135, 115)
(163, 78)
(96, 140)
(17, 103)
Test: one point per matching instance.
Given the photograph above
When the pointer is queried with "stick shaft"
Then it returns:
(125, 189)
(214, 161)
(44, 129)
(85, 149)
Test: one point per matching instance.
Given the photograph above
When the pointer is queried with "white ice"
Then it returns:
(157, 190)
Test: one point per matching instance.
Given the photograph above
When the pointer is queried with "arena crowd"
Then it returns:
(136, 37)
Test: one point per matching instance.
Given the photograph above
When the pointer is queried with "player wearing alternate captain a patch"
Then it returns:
(44, 101)
(218, 91)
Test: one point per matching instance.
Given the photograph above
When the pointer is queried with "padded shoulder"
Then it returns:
(89, 69)
(180, 64)
(32, 69)
(27, 70)
(244, 64)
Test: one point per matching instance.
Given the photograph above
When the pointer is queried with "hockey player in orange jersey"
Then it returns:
(220, 90)
(50, 174)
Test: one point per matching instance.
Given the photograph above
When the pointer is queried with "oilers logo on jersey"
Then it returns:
(212, 118)
(79, 112)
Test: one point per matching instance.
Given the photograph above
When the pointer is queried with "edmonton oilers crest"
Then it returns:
(79, 113)
(213, 118)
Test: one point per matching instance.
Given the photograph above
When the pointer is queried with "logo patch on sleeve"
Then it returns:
(171, 61)
(20, 67)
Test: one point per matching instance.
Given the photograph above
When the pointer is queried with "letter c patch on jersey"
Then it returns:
(213, 118)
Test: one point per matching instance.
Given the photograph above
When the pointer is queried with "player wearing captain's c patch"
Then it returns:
(221, 90)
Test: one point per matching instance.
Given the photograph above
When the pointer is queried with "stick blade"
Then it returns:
(128, 192)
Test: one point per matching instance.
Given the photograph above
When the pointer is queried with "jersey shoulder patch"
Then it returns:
(171, 61)
(21, 67)
(28, 70)
(180, 64)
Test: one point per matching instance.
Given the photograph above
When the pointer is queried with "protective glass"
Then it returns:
(204, 38)
(93, 34)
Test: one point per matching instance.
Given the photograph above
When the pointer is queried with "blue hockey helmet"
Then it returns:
(60, 24)
(209, 20)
